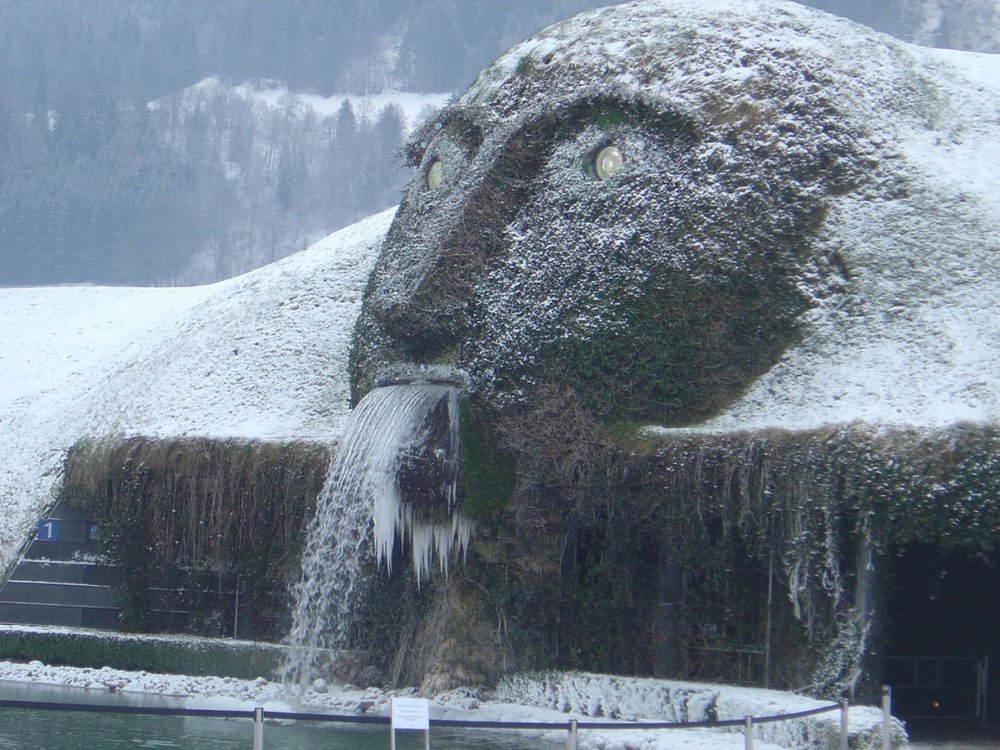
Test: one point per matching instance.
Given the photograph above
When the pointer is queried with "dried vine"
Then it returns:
(200, 517)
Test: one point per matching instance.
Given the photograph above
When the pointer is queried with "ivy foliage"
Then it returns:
(725, 557)
(190, 656)
(201, 519)
(741, 514)
(488, 473)
(678, 329)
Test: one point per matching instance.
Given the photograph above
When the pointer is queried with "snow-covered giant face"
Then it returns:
(623, 206)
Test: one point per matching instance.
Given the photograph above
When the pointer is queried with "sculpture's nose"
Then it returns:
(424, 308)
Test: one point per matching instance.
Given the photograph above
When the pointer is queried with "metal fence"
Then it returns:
(572, 727)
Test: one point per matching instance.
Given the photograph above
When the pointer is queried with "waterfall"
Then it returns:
(361, 511)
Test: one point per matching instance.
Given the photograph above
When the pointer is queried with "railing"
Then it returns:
(572, 727)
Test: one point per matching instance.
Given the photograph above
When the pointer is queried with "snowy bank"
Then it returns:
(636, 699)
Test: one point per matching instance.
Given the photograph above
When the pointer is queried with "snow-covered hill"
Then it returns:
(916, 342)
(259, 356)
(743, 217)
(901, 276)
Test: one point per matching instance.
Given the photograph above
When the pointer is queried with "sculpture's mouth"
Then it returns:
(427, 469)
(408, 373)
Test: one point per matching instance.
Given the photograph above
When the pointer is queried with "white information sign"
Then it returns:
(411, 713)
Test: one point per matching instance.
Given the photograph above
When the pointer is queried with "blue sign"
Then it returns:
(48, 530)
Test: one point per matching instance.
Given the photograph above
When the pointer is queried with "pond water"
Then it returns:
(31, 729)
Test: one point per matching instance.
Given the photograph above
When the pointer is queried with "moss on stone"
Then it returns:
(488, 474)
(201, 518)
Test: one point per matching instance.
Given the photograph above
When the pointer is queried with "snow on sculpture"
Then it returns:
(791, 190)
(757, 239)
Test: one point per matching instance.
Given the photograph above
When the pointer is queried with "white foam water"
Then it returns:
(360, 512)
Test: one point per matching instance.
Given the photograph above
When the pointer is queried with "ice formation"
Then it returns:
(361, 512)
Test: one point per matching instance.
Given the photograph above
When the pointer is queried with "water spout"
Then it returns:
(395, 475)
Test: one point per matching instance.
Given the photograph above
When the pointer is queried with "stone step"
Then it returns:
(65, 512)
(79, 551)
(72, 594)
(64, 572)
(55, 530)
(21, 613)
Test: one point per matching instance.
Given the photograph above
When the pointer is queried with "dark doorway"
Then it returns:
(942, 628)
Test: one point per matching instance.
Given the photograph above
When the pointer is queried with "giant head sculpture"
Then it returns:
(718, 214)
(628, 203)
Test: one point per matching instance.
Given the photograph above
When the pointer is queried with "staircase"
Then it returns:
(61, 579)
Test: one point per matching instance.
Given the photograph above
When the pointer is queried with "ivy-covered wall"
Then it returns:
(742, 264)
(190, 522)
(758, 558)
(754, 540)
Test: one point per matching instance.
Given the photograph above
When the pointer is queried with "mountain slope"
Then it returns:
(259, 356)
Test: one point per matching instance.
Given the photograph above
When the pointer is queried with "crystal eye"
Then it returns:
(435, 174)
(607, 163)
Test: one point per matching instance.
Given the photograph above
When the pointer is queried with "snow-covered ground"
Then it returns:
(259, 356)
(413, 106)
(574, 696)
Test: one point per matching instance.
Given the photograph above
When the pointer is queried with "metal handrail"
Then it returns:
(235, 713)
(258, 715)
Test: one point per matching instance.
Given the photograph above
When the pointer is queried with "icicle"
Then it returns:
(360, 512)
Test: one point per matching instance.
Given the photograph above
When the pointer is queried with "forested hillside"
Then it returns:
(129, 156)
(118, 165)
(972, 25)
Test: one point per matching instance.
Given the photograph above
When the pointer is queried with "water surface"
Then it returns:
(31, 729)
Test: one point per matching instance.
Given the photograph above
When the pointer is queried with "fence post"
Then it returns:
(571, 739)
(983, 687)
(886, 717)
(748, 733)
(258, 728)
(845, 731)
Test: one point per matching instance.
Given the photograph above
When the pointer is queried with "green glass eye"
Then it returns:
(607, 163)
(435, 174)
